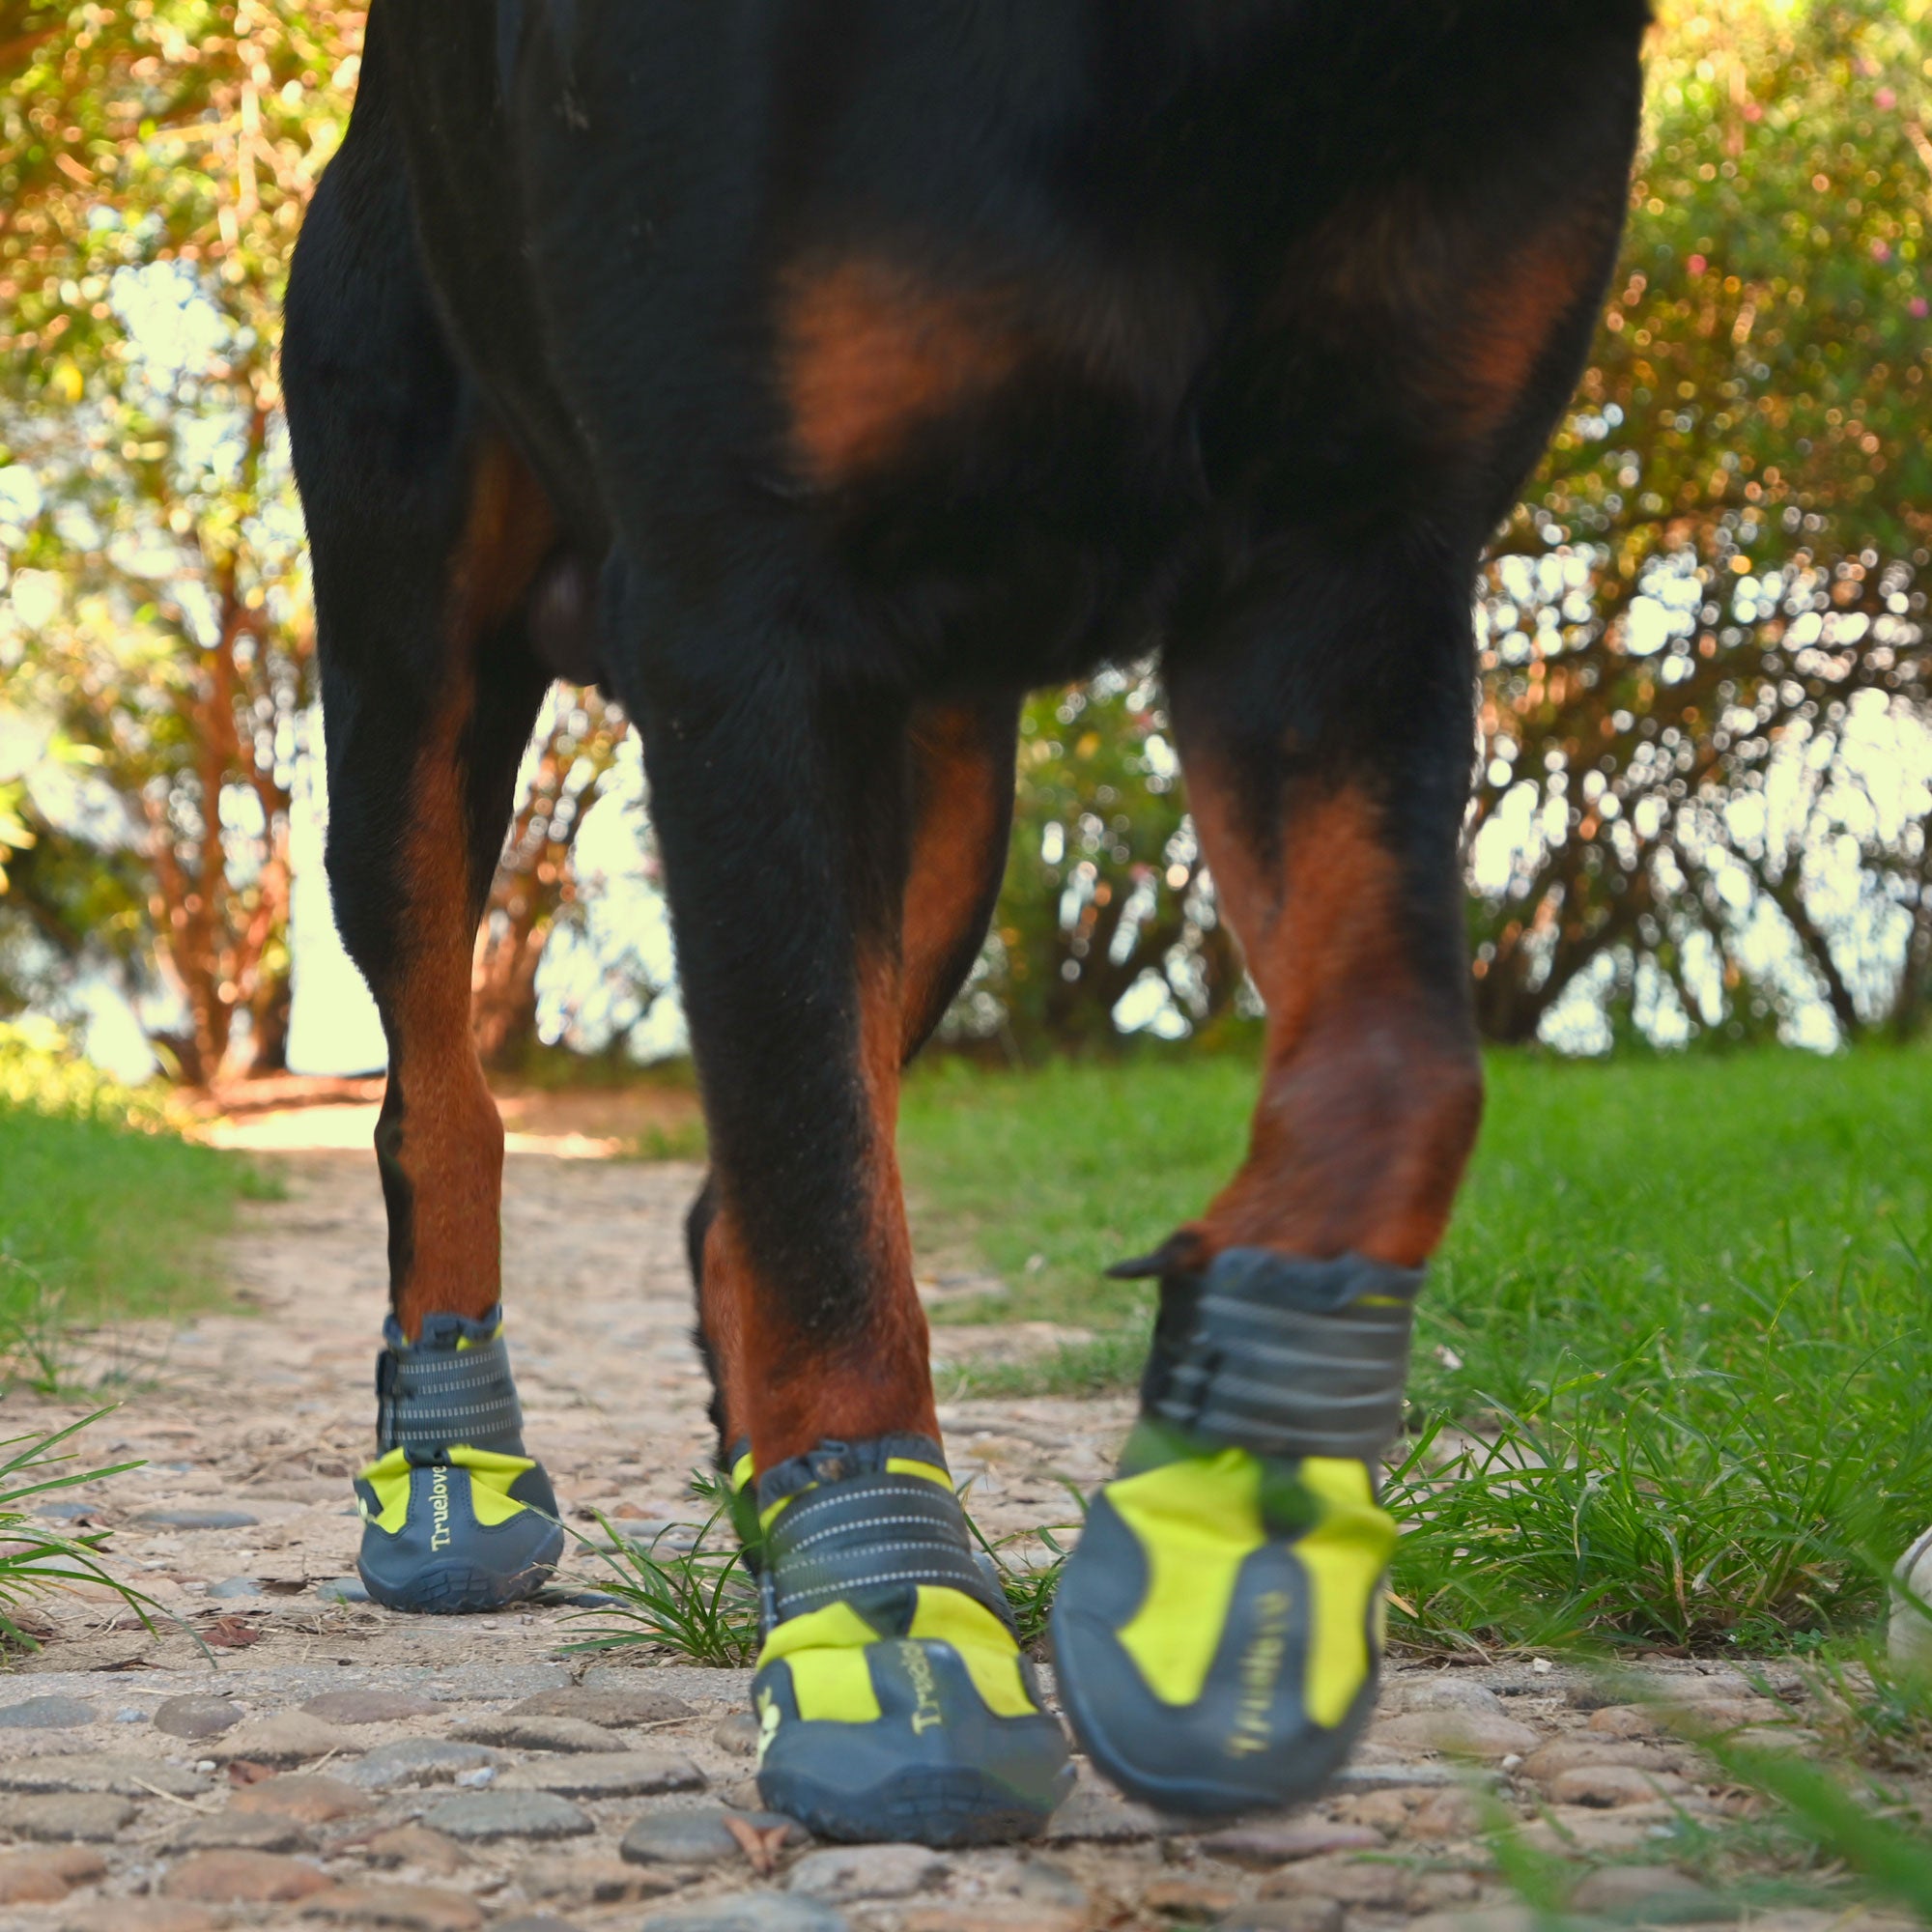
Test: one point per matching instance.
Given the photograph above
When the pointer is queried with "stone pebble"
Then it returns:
(243, 1878)
(90, 1771)
(1445, 1693)
(196, 1518)
(737, 1734)
(366, 1706)
(1451, 1814)
(591, 1880)
(1655, 1895)
(956, 1915)
(1093, 1813)
(232, 1831)
(59, 1511)
(412, 1845)
(197, 1716)
(1384, 1812)
(1689, 1717)
(1572, 1753)
(1461, 1731)
(1773, 1738)
(751, 1912)
(1369, 1885)
(843, 1873)
(538, 1734)
(1626, 1720)
(1008, 1892)
(44, 1877)
(1265, 1846)
(304, 1798)
(395, 1907)
(1193, 1897)
(418, 1761)
(231, 1587)
(697, 1837)
(1566, 1831)
(288, 1737)
(1374, 1885)
(46, 1713)
(485, 1816)
(1609, 1785)
(138, 1914)
(615, 1706)
(1285, 1915)
(617, 1775)
(56, 1816)
(1397, 1776)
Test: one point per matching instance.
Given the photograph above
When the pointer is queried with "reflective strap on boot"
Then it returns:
(430, 1399)
(1284, 1357)
(870, 1532)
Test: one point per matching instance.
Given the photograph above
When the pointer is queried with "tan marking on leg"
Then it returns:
(729, 1295)
(1372, 1091)
(962, 797)
(868, 353)
(509, 531)
(448, 1142)
(799, 1394)
(958, 850)
(451, 1145)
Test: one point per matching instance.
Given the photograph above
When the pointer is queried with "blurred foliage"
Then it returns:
(105, 1209)
(41, 1070)
(537, 889)
(156, 651)
(158, 159)
(1106, 898)
(1703, 788)
(1705, 762)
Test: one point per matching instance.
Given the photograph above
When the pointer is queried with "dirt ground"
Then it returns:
(328, 1763)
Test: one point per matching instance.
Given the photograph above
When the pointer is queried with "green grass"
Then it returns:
(695, 1599)
(116, 1220)
(1685, 1316)
(104, 1211)
(1051, 1177)
(36, 1560)
(685, 1140)
(1838, 1822)
(692, 1594)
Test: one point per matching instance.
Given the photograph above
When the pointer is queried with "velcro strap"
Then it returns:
(870, 1532)
(429, 1401)
(1284, 1357)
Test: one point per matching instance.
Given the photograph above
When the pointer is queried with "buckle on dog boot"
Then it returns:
(891, 1696)
(1218, 1632)
(455, 1516)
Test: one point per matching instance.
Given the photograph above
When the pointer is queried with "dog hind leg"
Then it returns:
(426, 534)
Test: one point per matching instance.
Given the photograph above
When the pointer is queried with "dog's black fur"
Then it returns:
(875, 357)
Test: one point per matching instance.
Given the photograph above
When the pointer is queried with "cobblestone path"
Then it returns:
(337, 1766)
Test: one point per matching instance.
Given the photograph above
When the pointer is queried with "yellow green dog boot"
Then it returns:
(1218, 1632)
(892, 1696)
(455, 1516)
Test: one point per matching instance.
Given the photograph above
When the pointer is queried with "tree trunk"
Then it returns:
(504, 990)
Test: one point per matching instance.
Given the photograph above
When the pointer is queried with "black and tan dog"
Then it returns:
(819, 375)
